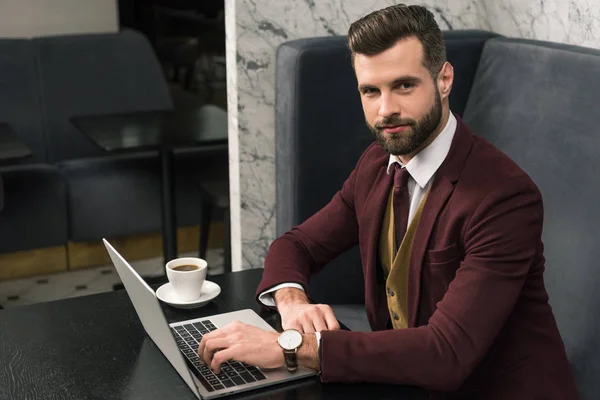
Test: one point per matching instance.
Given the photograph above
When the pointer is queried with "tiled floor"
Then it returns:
(37, 289)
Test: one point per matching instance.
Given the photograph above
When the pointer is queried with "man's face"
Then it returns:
(400, 99)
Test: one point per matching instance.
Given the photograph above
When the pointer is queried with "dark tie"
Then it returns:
(401, 202)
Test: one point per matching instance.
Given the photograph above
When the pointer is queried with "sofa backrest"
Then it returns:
(321, 132)
(95, 74)
(538, 102)
(20, 95)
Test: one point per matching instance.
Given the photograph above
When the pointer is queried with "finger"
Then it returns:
(319, 324)
(308, 327)
(221, 332)
(201, 346)
(317, 317)
(209, 336)
(221, 357)
(331, 320)
(212, 346)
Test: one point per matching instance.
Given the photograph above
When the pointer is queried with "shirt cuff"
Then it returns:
(318, 335)
(267, 298)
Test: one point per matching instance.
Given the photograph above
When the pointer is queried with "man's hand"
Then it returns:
(297, 313)
(241, 342)
(254, 346)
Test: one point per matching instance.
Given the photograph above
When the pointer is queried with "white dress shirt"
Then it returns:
(422, 168)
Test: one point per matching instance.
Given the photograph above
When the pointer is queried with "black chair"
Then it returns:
(190, 37)
(178, 54)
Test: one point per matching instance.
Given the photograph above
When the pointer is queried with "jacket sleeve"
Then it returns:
(306, 248)
(502, 241)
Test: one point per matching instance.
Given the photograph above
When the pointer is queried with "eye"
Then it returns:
(406, 86)
(369, 91)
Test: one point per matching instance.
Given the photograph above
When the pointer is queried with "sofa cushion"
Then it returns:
(95, 74)
(463, 50)
(119, 194)
(538, 102)
(113, 195)
(35, 208)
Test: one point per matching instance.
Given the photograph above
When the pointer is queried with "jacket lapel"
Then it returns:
(443, 186)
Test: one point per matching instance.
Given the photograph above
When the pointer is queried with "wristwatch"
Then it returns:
(289, 341)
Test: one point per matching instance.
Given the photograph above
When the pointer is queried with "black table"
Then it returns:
(11, 148)
(94, 347)
(161, 130)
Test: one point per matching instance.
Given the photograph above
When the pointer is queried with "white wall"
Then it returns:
(565, 21)
(32, 18)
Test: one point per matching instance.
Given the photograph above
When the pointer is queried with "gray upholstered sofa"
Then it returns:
(70, 189)
(537, 101)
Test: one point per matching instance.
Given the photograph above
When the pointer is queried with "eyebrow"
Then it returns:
(401, 79)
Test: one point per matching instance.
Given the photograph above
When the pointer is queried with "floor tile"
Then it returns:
(95, 287)
(15, 303)
(153, 266)
(16, 286)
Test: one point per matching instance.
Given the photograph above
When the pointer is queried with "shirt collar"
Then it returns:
(424, 165)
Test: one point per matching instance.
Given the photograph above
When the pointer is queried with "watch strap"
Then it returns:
(291, 360)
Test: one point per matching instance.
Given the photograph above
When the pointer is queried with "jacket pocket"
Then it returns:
(442, 256)
(436, 278)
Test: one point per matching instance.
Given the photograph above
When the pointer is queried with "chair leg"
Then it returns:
(206, 219)
(227, 242)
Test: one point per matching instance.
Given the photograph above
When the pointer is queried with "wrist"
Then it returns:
(278, 349)
(308, 353)
(289, 297)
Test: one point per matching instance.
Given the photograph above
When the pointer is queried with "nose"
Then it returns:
(388, 107)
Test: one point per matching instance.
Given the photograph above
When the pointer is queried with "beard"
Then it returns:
(417, 133)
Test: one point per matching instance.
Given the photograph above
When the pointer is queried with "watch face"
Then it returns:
(290, 339)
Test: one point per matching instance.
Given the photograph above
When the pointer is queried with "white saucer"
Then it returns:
(167, 294)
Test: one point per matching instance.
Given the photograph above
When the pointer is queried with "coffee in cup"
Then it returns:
(187, 276)
(188, 267)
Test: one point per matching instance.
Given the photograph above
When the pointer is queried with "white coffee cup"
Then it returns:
(187, 282)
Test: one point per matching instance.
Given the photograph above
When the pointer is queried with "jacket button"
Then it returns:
(390, 292)
(395, 316)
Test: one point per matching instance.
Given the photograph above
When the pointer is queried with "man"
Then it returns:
(449, 230)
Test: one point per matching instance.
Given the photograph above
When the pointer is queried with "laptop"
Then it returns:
(179, 341)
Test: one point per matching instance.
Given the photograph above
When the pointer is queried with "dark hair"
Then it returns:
(382, 29)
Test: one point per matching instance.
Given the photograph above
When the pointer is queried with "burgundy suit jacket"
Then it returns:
(480, 325)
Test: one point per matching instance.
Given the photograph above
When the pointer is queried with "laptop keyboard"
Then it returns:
(232, 373)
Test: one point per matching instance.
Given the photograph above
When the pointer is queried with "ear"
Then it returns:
(445, 79)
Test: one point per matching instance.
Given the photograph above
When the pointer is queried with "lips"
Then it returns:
(395, 128)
